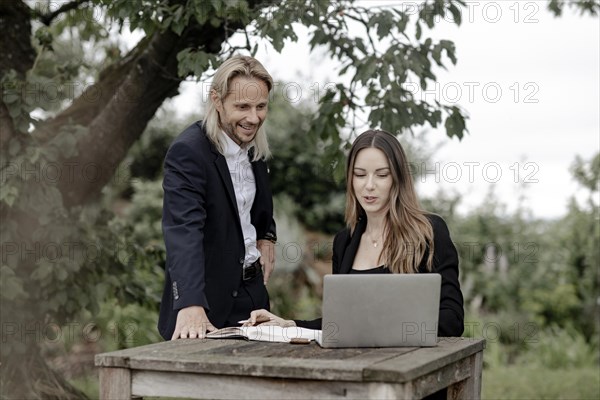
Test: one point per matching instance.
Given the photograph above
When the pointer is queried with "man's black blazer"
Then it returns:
(445, 262)
(202, 230)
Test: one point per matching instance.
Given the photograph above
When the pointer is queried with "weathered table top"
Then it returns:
(243, 369)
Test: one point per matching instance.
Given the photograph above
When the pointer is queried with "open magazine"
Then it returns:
(292, 334)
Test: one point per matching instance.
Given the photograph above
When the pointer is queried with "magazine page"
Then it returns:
(263, 333)
(227, 333)
(279, 334)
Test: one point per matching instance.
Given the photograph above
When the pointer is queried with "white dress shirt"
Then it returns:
(244, 187)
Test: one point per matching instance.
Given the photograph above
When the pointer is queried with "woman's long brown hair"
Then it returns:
(408, 232)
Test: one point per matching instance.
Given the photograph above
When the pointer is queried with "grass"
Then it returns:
(522, 382)
(88, 384)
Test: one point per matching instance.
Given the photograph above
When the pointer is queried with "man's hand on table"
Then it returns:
(192, 323)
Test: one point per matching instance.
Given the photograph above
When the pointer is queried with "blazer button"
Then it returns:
(241, 260)
(234, 293)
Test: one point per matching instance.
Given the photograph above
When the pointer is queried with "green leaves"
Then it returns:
(372, 44)
(309, 158)
(8, 194)
(376, 50)
(587, 172)
(179, 18)
(366, 70)
(274, 24)
(195, 62)
(329, 118)
(455, 12)
(455, 123)
(42, 272)
(383, 21)
(431, 12)
(18, 100)
(448, 47)
(44, 38)
(591, 7)
(11, 286)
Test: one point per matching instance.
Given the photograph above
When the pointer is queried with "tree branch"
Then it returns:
(47, 19)
(367, 29)
(117, 108)
(7, 128)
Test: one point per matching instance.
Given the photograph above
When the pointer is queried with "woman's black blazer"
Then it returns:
(445, 263)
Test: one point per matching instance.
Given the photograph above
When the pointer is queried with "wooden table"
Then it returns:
(237, 369)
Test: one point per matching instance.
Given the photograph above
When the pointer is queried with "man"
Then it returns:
(218, 222)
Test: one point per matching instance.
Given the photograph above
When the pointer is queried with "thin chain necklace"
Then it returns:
(375, 241)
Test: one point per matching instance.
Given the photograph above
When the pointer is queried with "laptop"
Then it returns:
(380, 310)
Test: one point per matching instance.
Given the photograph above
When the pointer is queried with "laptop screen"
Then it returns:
(380, 310)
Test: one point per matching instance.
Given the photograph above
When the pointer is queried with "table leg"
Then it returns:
(470, 388)
(115, 383)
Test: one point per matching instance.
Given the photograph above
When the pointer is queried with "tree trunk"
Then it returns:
(17, 54)
(28, 376)
(113, 113)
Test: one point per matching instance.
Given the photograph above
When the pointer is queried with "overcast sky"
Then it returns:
(529, 83)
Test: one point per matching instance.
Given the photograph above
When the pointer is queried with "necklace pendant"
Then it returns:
(374, 244)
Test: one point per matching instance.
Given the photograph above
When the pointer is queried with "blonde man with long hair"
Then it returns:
(387, 230)
(218, 222)
(222, 84)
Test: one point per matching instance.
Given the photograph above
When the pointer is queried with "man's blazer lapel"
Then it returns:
(260, 178)
(223, 169)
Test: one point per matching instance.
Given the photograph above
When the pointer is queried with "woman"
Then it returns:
(388, 231)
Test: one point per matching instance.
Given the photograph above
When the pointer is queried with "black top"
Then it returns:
(445, 263)
(382, 269)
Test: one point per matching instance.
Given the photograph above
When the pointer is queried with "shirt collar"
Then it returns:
(231, 148)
